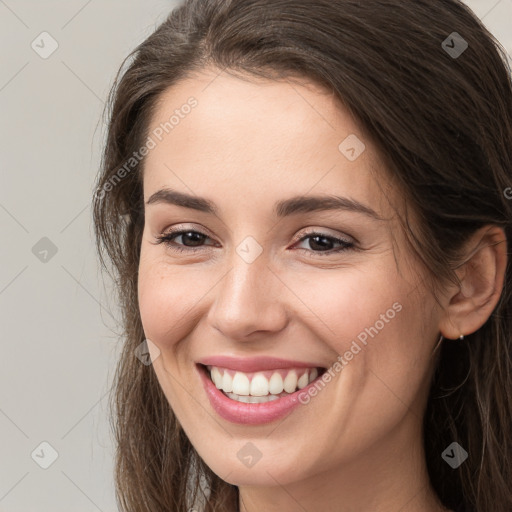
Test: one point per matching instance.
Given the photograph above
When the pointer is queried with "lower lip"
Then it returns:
(249, 414)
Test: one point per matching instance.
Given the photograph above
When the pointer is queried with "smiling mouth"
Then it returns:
(262, 386)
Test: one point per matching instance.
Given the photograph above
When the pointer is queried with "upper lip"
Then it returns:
(254, 364)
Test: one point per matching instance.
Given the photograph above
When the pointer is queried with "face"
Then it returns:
(243, 274)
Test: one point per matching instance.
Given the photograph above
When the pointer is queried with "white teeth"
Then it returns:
(290, 382)
(257, 399)
(241, 384)
(252, 399)
(227, 382)
(303, 381)
(275, 384)
(259, 385)
(216, 377)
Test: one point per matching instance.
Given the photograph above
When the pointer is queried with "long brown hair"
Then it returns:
(442, 122)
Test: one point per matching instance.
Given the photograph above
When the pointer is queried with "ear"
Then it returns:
(482, 274)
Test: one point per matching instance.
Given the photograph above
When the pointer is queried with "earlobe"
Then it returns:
(481, 282)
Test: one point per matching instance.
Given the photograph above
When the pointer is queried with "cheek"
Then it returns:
(375, 325)
(162, 303)
(171, 297)
(353, 305)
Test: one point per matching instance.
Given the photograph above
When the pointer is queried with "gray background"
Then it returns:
(58, 333)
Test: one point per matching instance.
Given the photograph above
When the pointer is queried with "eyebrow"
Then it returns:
(284, 208)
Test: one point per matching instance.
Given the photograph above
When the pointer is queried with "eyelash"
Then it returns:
(167, 239)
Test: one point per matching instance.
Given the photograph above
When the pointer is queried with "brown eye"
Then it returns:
(191, 240)
(323, 243)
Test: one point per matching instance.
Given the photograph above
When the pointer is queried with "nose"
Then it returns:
(249, 299)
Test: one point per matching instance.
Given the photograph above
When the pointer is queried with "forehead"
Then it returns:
(215, 133)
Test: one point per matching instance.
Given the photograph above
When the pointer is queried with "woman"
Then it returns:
(306, 205)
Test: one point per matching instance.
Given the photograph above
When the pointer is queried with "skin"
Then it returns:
(248, 144)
